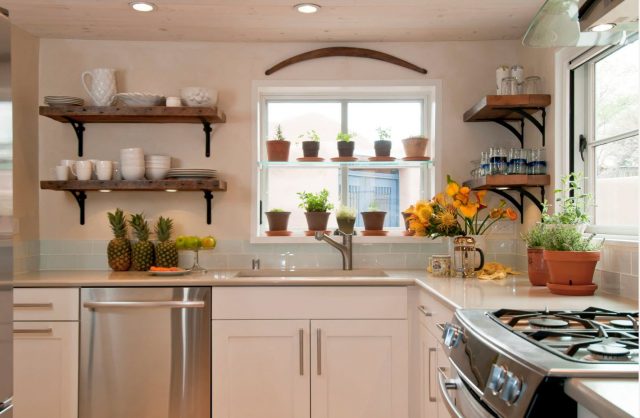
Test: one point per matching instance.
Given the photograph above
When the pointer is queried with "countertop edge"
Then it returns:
(580, 390)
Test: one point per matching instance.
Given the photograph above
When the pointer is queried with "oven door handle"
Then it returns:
(448, 384)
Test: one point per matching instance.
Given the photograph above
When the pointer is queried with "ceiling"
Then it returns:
(276, 20)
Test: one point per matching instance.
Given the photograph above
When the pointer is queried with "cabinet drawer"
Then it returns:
(432, 311)
(45, 304)
(309, 302)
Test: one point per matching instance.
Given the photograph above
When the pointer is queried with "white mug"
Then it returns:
(103, 170)
(62, 172)
(82, 170)
(69, 164)
(173, 102)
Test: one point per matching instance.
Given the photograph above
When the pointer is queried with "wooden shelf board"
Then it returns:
(500, 107)
(509, 181)
(138, 185)
(128, 114)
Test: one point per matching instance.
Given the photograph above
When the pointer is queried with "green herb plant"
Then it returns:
(345, 137)
(535, 236)
(384, 134)
(571, 203)
(311, 135)
(279, 136)
(277, 210)
(345, 212)
(373, 207)
(315, 202)
(561, 238)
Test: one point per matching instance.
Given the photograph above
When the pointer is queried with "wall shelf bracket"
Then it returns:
(80, 197)
(518, 134)
(208, 196)
(78, 127)
(206, 127)
(522, 192)
(539, 125)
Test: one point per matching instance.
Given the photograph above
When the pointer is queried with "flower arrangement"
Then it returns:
(457, 211)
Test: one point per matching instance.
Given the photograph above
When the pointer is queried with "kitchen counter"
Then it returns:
(611, 398)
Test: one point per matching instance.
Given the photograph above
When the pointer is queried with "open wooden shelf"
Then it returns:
(501, 107)
(79, 188)
(78, 116)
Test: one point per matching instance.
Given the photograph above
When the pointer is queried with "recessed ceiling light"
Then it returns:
(143, 6)
(602, 27)
(307, 8)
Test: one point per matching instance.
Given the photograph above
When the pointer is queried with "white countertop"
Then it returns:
(610, 398)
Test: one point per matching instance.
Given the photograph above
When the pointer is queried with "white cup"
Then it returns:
(62, 172)
(173, 102)
(132, 173)
(104, 170)
(69, 164)
(82, 170)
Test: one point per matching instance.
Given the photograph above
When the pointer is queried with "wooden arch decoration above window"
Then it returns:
(344, 51)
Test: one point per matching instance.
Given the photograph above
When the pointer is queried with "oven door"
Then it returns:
(457, 398)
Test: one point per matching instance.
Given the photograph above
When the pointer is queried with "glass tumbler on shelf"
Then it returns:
(498, 160)
(532, 85)
(509, 86)
(517, 161)
(485, 169)
(537, 162)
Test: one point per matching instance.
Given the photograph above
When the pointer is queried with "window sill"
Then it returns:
(389, 239)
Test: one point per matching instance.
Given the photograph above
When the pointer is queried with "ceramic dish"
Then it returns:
(181, 272)
(139, 99)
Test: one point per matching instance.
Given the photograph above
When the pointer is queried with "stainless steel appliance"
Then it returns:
(145, 352)
(6, 221)
(511, 363)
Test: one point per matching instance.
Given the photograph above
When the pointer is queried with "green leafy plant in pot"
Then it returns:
(278, 148)
(311, 147)
(373, 218)
(383, 145)
(346, 218)
(278, 220)
(317, 207)
(537, 268)
(345, 144)
(571, 204)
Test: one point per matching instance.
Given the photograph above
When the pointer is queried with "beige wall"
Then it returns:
(467, 71)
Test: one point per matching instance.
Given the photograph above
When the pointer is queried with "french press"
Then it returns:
(464, 256)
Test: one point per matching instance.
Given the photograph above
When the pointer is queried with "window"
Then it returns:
(403, 111)
(604, 144)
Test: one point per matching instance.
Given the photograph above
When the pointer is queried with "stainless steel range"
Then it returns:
(512, 363)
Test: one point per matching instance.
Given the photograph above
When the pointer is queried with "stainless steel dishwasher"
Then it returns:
(145, 352)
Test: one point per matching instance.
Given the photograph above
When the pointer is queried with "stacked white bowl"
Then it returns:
(132, 163)
(157, 166)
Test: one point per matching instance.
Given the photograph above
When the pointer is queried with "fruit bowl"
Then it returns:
(195, 244)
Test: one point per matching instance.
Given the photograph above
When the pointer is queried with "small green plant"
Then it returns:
(345, 137)
(315, 202)
(561, 238)
(345, 212)
(535, 236)
(279, 136)
(373, 207)
(384, 134)
(277, 210)
(311, 135)
(571, 203)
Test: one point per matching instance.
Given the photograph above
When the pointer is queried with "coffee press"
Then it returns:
(464, 256)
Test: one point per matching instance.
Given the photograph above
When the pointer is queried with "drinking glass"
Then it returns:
(509, 86)
(537, 162)
(485, 169)
(532, 85)
(498, 160)
(518, 161)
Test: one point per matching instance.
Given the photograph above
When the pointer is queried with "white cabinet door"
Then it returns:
(359, 369)
(260, 369)
(45, 369)
(428, 373)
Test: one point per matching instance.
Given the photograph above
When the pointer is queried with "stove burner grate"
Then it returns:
(547, 322)
(622, 323)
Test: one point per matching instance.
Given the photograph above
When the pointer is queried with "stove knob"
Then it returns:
(512, 389)
(496, 378)
(452, 335)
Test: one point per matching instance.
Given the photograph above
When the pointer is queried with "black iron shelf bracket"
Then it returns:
(518, 134)
(80, 197)
(206, 127)
(522, 192)
(540, 125)
(208, 196)
(78, 127)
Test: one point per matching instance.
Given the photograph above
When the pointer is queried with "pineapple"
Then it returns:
(143, 252)
(119, 248)
(166, 250)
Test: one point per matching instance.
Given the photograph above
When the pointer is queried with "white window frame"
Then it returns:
(428, 90)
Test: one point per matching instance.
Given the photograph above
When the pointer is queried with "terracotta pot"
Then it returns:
(310, 148)
(346, 225)
(317, 221)
(345, 149)
(538, 272)
(278, 150)
(278, 221)
(382, 147)
(571, 267)
(373, 221)
(405, 217)
(415, 146)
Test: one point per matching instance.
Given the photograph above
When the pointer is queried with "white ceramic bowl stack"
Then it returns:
(132, 163)
(199, 96)
(157, 166)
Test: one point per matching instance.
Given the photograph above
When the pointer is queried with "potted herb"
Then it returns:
(278, 219)
(373, 218)
(345, 144)
(346, 217)
(317, 207)
(537, 268)
(278, 148)
(571, 204)
(311, 146)
(415, 146)
(383, 145)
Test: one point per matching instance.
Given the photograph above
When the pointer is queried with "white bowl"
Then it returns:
(139, 99)
(199, 96)
(132, 173)
(156, 173)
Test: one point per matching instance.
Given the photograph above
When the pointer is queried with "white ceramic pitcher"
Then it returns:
(102, 86)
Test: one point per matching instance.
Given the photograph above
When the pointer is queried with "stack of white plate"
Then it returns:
(157, 166)
(132, 163)
(196, 173)
(63, 101)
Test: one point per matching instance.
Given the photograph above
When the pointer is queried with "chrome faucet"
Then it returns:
(346, 248)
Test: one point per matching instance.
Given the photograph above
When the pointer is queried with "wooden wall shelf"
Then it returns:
(78, 116)
(79, 188)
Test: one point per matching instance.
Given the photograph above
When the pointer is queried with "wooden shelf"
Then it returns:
(79, 188)
(506, 107)
(78, 116)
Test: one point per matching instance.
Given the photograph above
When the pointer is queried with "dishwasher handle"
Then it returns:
(445, 385)
(170, 304)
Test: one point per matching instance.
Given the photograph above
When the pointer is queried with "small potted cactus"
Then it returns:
(345, 144)
(373, 218)
(143, 251)
(346, 218)
(383, 145)
(278, 221)
(278, 148)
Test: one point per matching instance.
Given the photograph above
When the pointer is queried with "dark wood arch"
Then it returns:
(345, 51)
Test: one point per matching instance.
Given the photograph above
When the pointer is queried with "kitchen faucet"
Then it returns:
(346, 248)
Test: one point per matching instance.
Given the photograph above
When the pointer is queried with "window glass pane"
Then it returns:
(296, 118)
(616, 194)
(616, 95)
(402, 119)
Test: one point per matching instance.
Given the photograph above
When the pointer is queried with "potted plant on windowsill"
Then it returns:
(383, 145)
(317, 207)
(373, 220)
(415, 147)
(537, 268)
(278, 148)
(278, 221)
(311, 147)
(346, 218)
(345, 144)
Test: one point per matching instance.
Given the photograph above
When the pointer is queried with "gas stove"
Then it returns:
(514, 363)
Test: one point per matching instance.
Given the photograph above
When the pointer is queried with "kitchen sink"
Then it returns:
(311, 273)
